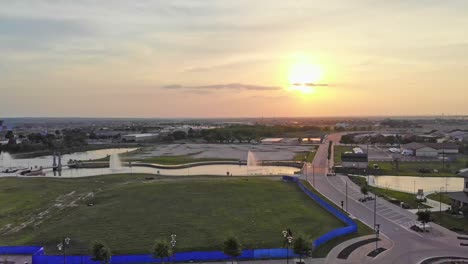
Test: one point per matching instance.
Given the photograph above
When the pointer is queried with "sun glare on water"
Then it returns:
(303, 76)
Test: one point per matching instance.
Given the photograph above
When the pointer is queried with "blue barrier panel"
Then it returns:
(273, 253)
(351, 226)
(21, 250)
(196, 256)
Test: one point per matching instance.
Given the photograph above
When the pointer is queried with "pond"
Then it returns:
(46, 161)
(222, 170)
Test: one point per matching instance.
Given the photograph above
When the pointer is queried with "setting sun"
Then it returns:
(303, 76)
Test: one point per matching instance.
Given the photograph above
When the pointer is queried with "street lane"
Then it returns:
(409, 246)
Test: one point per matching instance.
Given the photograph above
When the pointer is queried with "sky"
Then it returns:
(242, 58)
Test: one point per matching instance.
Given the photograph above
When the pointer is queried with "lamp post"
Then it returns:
(440, 203)
(62, 246)
(287, 234)
(173, 243)
(377, 232)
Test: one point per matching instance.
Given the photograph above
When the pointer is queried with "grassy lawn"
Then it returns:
(337, 150)
(309, 156)
(363, 230)
(129, 212)
(412, 168)
(437, 197)
(448, 221)
(407, 198)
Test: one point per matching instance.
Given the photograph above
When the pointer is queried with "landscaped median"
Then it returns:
(389, 195)
(129, 212)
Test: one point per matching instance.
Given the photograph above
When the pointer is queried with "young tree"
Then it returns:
(162, 250)
(9, 135)
(302, 247)
(465, 211)
(364, 190)
(424, 217)
(232, 248)
(100, 252)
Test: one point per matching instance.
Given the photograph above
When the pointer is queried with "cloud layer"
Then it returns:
(229, 86)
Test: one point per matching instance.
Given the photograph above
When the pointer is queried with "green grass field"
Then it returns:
(438, 197)
(407, 198)
(337, 150)
(129, 212)
(412, 168)
(309, 155)
(448, 221)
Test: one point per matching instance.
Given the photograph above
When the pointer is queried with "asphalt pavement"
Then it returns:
(409, 246)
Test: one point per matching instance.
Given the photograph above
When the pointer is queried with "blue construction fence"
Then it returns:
(276, 253)
(350, 228)
(198, 256)
(21, 250)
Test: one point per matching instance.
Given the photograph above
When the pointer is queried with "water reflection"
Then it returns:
(46, 161)
(234, 170)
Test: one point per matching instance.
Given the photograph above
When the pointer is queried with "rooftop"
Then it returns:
(459, 196)
(354, 157)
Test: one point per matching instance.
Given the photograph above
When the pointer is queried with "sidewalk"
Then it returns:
(275, 261)
(359, 255)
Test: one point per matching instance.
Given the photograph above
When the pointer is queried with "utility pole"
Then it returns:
(375, 208)
(313, 174)
(346, 196)
(443, 155)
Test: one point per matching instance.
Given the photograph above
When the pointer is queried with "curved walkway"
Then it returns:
(359, 255)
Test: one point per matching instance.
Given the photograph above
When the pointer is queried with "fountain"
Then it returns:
(114, 162)
(6, 161)
(251, 160)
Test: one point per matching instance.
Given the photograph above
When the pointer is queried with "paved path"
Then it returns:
(278, 261)
(359, 255)
(409, 246)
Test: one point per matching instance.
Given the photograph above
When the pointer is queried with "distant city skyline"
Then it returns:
(215, 58)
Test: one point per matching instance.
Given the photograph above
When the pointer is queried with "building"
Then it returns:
(460, 199)
(354, 160)
(139, 137)
(419, 150)
(272, 140)
(444, 148)
(458, 136)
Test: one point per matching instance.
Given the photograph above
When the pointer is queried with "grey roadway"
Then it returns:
(408, 246)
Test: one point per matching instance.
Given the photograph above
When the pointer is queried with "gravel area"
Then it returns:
(225, 151)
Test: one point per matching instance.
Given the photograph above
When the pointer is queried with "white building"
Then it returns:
(139, 137)
(272, 140)
(419, 150)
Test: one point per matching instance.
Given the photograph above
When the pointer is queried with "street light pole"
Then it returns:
(375, 207)
(346, 195)
(62, 247)
(173, 243)
(313, 174)
(377, 231)
(287, 234)
(440, 203)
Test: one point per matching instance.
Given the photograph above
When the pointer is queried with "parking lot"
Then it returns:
(377, 153)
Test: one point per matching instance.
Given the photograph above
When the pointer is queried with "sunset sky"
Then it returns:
(216, 58)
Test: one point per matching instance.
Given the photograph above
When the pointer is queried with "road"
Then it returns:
(408, 246)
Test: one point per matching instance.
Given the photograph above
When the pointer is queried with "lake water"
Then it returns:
(46, 161)
(235, 170)
(412, 184)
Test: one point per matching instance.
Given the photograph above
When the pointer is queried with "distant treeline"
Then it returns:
(59, 140)
(246, 133)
